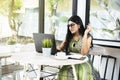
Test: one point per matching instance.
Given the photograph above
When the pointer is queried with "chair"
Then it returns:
(96, 53)
(102, 63)
(107, 66)
(47, 72)
(11, 69)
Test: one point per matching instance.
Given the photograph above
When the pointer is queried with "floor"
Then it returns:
(31, 75)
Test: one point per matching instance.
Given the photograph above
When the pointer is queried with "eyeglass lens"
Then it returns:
(70, 25)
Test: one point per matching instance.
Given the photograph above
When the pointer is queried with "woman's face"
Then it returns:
(73, 27)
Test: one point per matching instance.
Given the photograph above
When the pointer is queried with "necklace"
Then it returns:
(76, 38)
(74, 42)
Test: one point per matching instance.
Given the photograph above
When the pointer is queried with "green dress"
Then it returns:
(84, 71)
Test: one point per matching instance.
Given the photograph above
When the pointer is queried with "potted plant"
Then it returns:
(11, 43)
(46, 46)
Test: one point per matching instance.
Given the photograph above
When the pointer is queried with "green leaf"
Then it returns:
(47, 43)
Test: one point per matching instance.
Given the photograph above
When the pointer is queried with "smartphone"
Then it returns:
(82, 58)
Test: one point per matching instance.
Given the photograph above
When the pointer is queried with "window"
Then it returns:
(57, 13)
(81, 9)
(105, 19)
(18, 20)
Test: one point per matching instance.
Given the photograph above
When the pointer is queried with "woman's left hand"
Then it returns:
(88, 29)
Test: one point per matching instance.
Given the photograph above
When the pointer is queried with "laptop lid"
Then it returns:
(38, 37)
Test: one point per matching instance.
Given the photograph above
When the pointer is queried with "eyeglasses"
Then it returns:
(71, 25)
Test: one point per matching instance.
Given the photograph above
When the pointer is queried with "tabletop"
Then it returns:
(38, 59)
(4, 55)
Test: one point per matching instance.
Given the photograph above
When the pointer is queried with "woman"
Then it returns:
(78, 40)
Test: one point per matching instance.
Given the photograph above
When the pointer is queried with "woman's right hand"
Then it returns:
(61, 45)
(58, 48)
(88, 29)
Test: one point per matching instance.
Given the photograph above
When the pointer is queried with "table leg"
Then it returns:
(39, 73)
(74, 72)
(31, 72)
(25, 73)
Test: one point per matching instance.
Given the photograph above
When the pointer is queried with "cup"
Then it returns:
(61, 54)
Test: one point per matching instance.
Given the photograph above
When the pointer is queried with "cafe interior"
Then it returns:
(20, 19)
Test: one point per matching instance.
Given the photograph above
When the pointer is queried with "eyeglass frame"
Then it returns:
(71, 25)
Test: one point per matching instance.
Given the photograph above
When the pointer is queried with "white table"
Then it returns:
(37, 59)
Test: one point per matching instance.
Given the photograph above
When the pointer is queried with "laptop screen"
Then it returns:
(38, 37)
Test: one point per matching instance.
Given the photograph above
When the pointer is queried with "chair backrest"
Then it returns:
(108, 64)
(96, 53)
(104, 64)
(96, 61)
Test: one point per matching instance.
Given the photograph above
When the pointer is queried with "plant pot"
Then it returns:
(15, 48)
(46, 51)
(12, 48)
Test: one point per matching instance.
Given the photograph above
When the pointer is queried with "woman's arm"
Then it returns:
(61, 46)
(86, 42)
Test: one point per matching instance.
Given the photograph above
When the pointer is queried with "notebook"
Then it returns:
(38, 37)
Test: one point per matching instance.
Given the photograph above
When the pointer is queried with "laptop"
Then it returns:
(38, 37)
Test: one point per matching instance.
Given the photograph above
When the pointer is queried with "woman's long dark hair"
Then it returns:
(76, 19)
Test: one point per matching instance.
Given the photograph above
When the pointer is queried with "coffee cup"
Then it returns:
(61, 54)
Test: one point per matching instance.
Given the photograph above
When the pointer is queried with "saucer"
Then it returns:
(61, 57)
